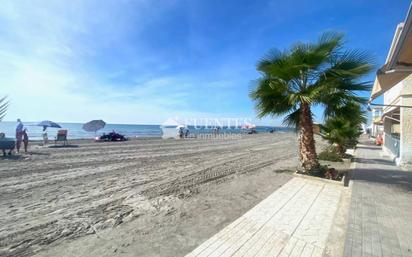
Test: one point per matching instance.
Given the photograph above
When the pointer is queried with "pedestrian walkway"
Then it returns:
(380, 216)
(293, 221)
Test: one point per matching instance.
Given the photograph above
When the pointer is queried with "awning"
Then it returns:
(393, 114)
(399, 61)
(386, 80)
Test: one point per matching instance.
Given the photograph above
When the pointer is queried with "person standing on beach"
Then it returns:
(25, 140)
(45, 136)
(19, 134)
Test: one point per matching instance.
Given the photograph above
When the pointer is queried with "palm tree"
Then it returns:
(307, 75)
(340, 132)
(344, 128)
(3, 107)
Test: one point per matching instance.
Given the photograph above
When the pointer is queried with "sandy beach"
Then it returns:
(144, 197)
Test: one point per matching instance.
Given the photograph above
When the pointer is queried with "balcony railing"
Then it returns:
(392, 142)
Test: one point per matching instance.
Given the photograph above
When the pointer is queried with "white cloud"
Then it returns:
(44, 58)
(65, 61)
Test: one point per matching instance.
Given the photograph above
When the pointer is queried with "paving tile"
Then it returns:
(294, 221)
(380, 215)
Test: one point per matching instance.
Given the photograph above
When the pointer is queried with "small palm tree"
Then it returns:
(3, 107)
(307, 75)
(344, 128)
(340, 132)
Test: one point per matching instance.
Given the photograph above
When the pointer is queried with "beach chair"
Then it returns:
(61, 137)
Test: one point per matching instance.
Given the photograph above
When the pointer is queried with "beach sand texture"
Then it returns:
(62, 196)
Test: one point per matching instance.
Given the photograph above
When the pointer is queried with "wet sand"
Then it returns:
(145, 197)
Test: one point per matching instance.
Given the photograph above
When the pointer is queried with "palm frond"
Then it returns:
(351, 111)
(349, 65)
(271, 97)
(292, 119)
(4, 104)
(331, 40)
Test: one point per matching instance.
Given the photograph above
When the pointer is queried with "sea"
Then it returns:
(75, 130)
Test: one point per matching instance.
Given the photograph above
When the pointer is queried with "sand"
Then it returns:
(144, 197)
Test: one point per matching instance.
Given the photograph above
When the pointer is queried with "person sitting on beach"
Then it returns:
(2, 137)
(25, 140)
(19, 134)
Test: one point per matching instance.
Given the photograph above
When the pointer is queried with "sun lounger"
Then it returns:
(61, 137)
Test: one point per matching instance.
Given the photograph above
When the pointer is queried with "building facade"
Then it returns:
(397, 122)
(376, 127)
(394, 82)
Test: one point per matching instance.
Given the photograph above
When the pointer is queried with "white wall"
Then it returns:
(387, 127)
(406, 130)
(392, 96)
(401, 94)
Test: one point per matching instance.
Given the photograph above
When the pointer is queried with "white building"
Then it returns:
(376, 127)
(394, 81)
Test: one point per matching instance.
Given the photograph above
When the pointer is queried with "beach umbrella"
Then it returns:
(94, 125)
(48, 123)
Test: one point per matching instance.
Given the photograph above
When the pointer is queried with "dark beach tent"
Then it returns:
(48, 124)
(94, 125)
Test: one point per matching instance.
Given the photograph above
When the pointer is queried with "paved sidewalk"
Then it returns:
(380, 217)
(293, 221)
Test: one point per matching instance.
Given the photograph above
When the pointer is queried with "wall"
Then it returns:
(396, 128)
(407, 86)
(406, 130)
(392, 94)
(387, 128)
(376, 129)
(401, 94)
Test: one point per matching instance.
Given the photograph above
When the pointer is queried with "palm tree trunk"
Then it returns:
(308, 158)
(340, 149)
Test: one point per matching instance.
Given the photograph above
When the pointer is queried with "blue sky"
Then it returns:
(144, 61)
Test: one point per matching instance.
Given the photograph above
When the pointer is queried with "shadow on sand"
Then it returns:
(13, 157)
(64, 146)
(37, 153)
